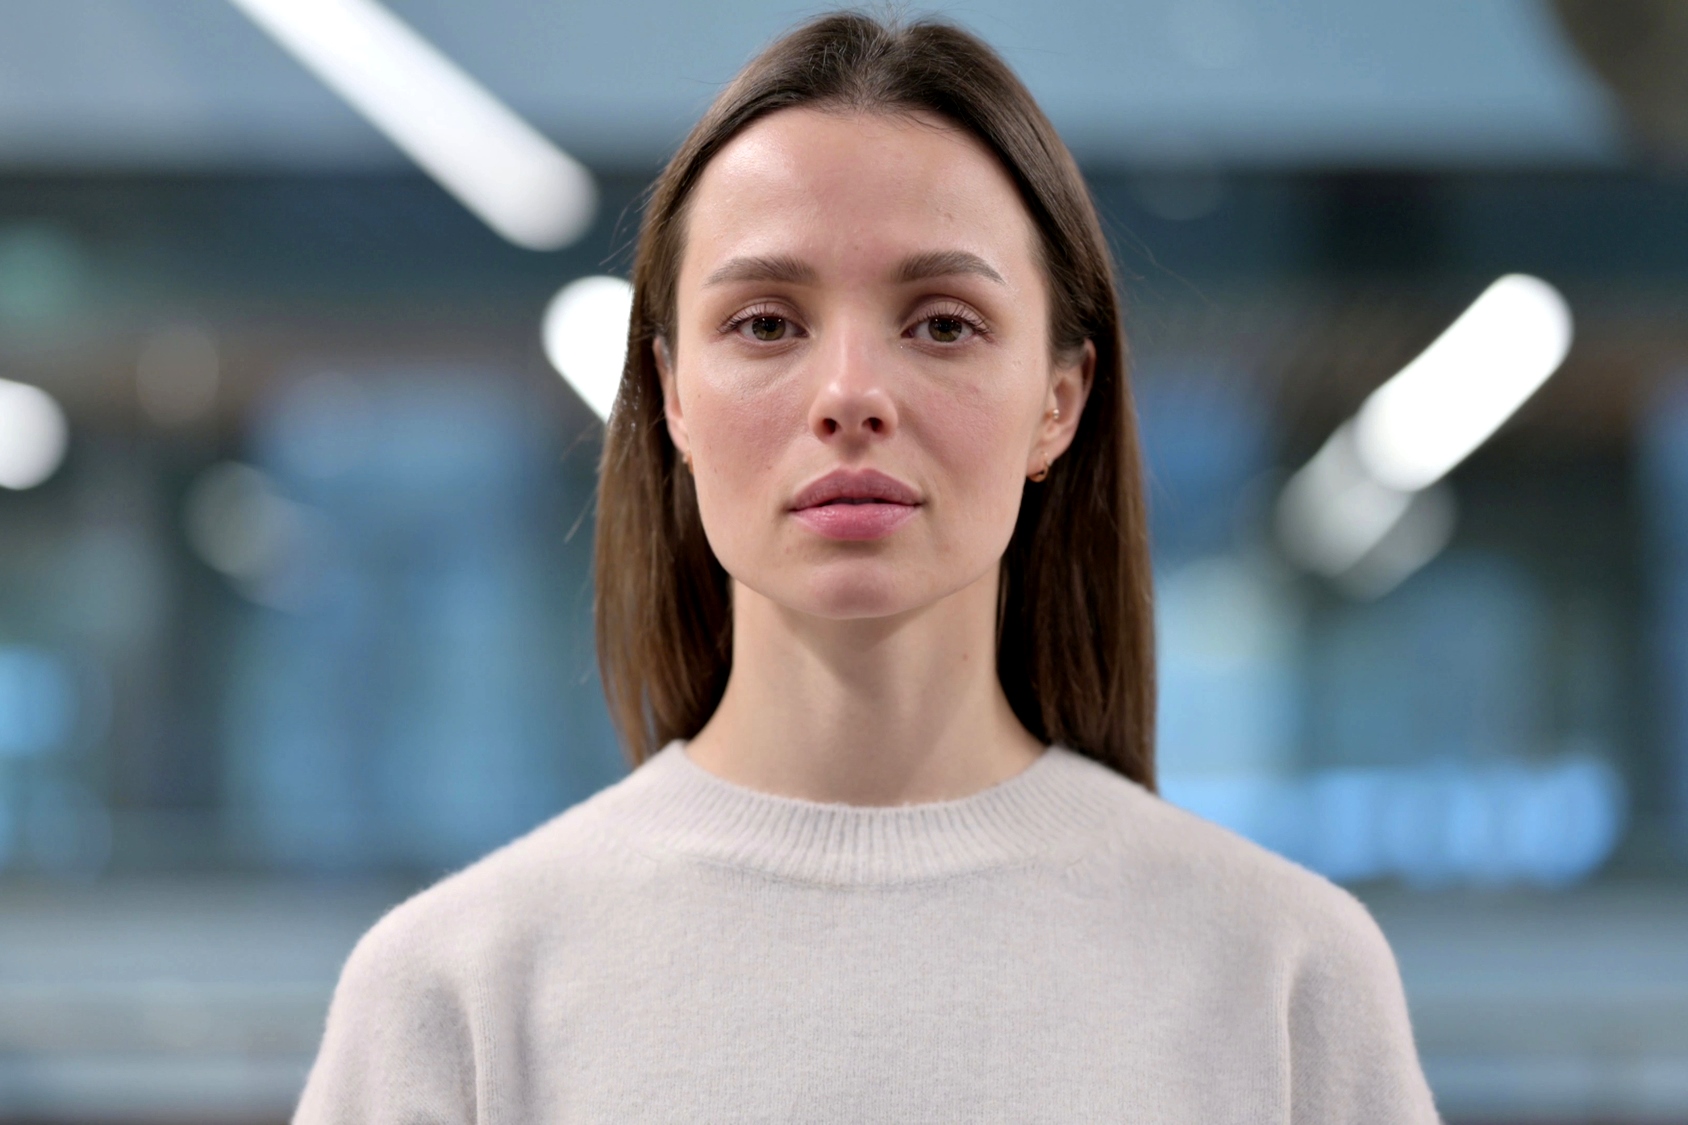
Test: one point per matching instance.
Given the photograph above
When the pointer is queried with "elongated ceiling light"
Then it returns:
(496, 164)
(1416, 427)
(1367, 510)
(585, 337)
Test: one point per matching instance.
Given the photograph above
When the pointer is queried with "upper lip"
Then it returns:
(854, 484)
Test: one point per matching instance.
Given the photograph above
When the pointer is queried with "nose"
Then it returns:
(853, 405)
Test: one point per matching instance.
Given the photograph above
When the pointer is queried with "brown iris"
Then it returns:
(946, 329)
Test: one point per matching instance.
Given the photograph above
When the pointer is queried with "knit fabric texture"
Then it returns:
(1063, 946)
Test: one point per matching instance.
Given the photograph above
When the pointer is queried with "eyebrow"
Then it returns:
(915, 267)
(945, 263)
(779, 267)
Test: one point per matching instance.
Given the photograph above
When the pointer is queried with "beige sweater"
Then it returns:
(1061, 947)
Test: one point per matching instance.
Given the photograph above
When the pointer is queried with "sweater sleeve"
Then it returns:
(397, 1049)
(1352, 1058)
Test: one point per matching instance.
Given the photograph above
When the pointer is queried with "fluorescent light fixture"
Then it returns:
(496, 164)
(1416, 427)
(585, 335)
(1332, 513)
(1365, 510)
(33, 435)
(1419, 535)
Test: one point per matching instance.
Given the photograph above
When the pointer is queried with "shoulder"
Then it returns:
(1148, 847)
(412, 985)
(406, 1031)
(1243, 913)
(501, 898)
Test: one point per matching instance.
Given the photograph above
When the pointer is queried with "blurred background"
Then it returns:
(296, 502)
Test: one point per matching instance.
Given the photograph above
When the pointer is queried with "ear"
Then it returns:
(670, 396)
(1069, 389)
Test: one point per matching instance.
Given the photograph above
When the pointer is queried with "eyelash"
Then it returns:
(954, 311)
(756, 312)
(950, 311)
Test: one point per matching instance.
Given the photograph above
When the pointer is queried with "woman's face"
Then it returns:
(861, 367)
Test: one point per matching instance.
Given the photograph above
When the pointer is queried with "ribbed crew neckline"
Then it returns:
(672, 803)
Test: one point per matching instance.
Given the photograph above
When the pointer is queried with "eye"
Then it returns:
(947, 326)
(768, 328)
(763, 324)
(946, 329)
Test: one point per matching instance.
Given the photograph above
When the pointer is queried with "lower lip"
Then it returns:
(856, 521)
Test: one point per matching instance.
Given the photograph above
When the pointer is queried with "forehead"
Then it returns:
(843, 190)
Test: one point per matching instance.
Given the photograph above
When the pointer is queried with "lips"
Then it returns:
(855, 504)
(855, 486)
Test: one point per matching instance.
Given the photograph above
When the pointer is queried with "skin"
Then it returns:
(864, 671)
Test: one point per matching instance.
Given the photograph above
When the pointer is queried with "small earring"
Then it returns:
(1043, 472)
(1055, 415)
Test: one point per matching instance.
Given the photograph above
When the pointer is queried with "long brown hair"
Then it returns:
(1075, 643)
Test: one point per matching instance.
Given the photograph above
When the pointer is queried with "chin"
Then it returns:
(843, 590)
(856, 591)
(857, 605)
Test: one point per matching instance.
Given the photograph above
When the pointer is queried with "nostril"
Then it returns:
(875, 425)
(831, 425)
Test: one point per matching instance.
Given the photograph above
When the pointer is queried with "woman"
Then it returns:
(874, 620)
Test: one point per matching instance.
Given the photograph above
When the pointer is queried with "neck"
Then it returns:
(877, 711)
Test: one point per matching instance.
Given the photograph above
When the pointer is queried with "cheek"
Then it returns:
(739, 431)
(978, 436)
